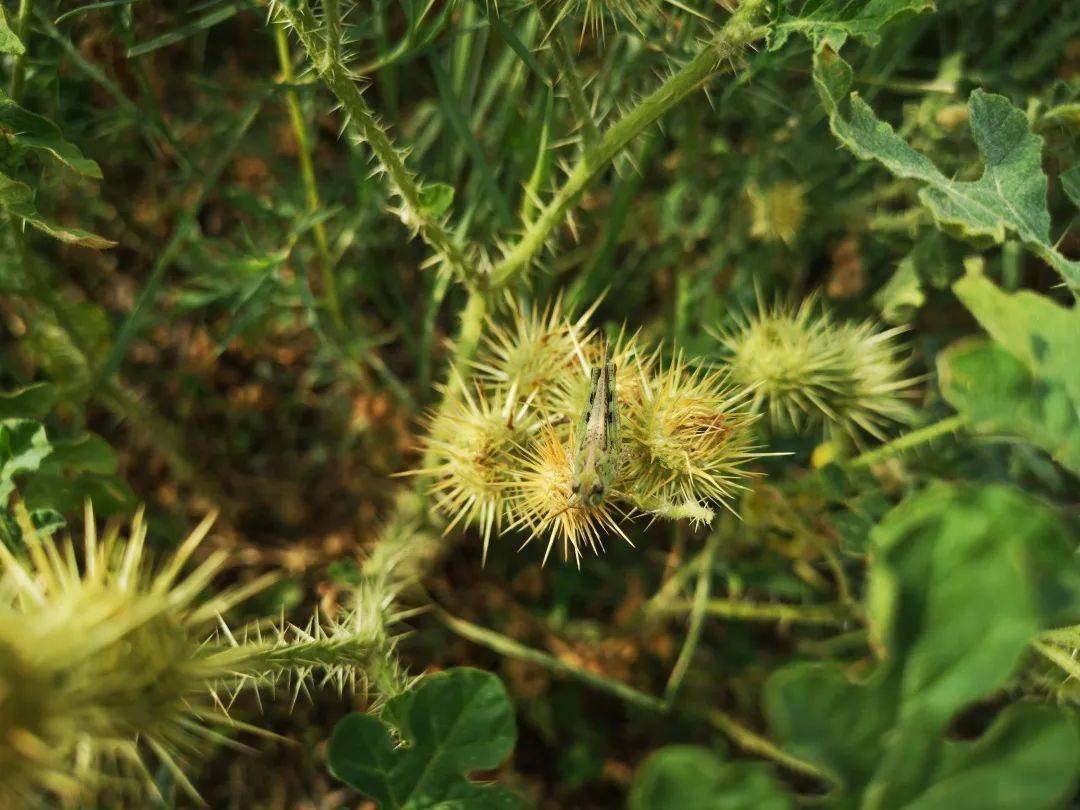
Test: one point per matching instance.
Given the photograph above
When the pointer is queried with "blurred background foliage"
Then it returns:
(263, 337)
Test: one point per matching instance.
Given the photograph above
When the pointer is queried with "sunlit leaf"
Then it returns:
(833, 21)
(1009, 198)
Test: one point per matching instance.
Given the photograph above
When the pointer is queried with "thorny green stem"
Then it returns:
(1058, 656)
(344, 86)
(738, 733)
(915, 438)
(696, 622)
(718, 57)
(331, 299)
(837, 613)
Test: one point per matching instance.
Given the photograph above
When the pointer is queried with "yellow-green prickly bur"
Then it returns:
(597, 461)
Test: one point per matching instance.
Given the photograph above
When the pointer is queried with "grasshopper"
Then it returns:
(597, 459)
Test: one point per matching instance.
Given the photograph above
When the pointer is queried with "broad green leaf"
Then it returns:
(29, 402)
(18, 200)
(23, 446)
(37, 132)
(1037, 331)
(961, 579)
(457, 721)
(9, 42)
(1029, 758)
(805, 703)
(833, 21)
(1009, 197)
(685, 776)
(998, 394)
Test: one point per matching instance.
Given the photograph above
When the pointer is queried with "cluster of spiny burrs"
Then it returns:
(810, 371)
(109, 663)
(501, 453)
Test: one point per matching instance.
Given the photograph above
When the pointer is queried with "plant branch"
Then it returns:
(697, 620)
(718, 57)
(413, 212)
(829, 614)
(915, 438)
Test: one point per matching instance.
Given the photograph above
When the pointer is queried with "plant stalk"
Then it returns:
(915, 438)
(331, 299)
(718, 57)
(404, 183)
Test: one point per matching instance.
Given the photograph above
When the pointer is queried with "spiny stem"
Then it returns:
(739, 734)
(696, 623)
(909, 440)
(513, 649)
(716, 58)
(342, 84)
(737, 609)
(1059, 657)
(331, 299)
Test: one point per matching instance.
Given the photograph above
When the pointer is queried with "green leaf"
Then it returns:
(436, 199)
(1029, 758)
(962, 579)
(685, 776)
(1009, 197)
(37, 132)
(457, 721)
(833, 21)
(998, 394)
(1070, 183)
(1038, 332)
(30, 402)
(9, 42)
(18, 200)
(23, 446)
(955, 592)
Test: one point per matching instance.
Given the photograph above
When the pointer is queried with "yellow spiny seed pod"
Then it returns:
(777, 212)
(111, 663)
(507, 463)
(476, 446)
(103, 664)
(542, 502)
(807, 370)
(688, 441)
(533, 350)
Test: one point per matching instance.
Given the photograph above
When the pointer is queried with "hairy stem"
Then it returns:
(915, 438)
(404, 183)
(718, 57)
